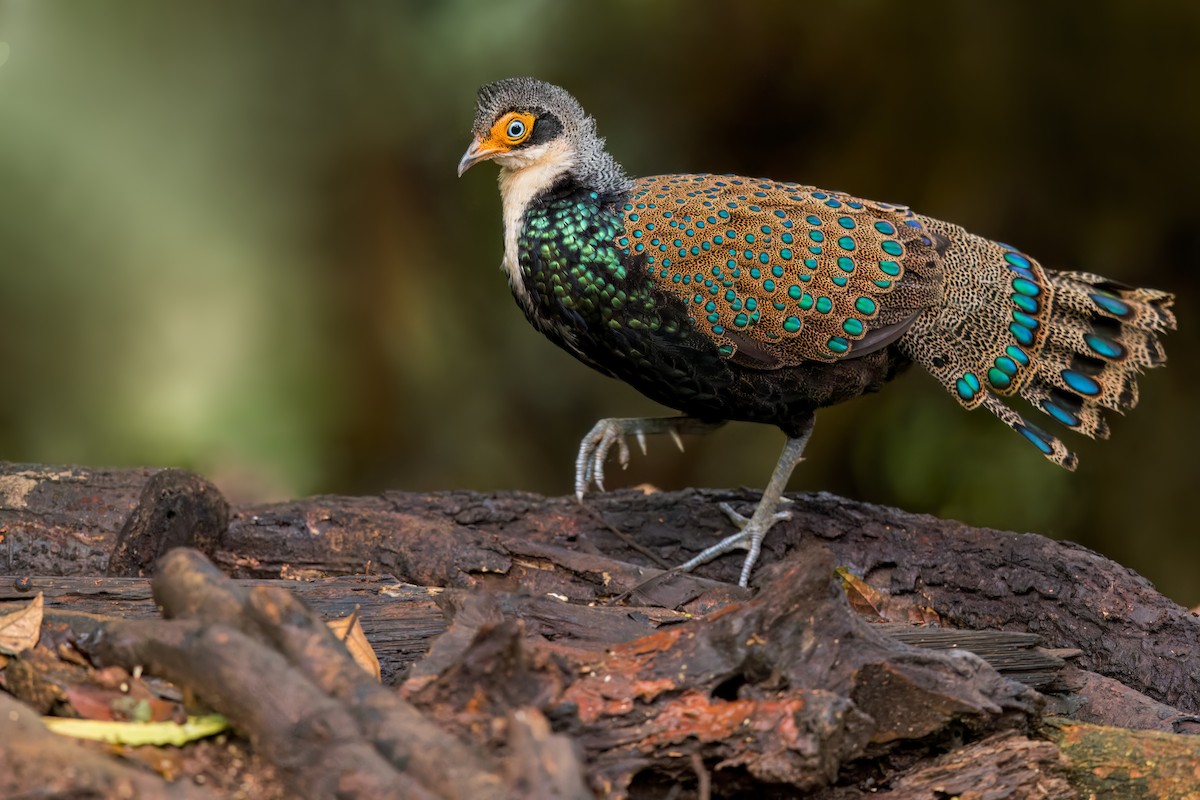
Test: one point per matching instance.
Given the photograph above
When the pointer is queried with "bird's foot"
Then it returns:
(609, 433)
(753, 530)
(742, 520)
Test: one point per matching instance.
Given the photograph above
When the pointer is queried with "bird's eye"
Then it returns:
(512, 129)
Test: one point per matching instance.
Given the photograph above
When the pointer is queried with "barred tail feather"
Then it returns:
(1051, 446)
(1071, 344)
(1101, 336)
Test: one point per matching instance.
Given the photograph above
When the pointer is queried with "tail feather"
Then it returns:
(1071, 344)
(1084, 294)
(1110, 385)
(1068, 409)
(1051, 446)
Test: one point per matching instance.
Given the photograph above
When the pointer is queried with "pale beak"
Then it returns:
(478, 151)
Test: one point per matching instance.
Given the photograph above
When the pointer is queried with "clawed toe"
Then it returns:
(609, 433)
(741, 520)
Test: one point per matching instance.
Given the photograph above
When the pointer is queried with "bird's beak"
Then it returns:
(480, 150)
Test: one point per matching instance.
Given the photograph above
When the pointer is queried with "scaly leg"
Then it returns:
(593, 450)
(750, 537)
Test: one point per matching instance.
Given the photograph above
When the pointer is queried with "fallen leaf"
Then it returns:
(864, 598)
(136, 734)
(350, 631)
(19, 630)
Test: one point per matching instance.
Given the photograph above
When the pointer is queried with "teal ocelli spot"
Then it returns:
(846, 263)
(1061, 414)
(824, 305)
(1081, 383)
(998, 379)
(1022, 335)
(1111, 304)
(1037, 437)
(791, 324)
(846, 243)
(1104, 346)
(853, 326)
(1017, 260)
(890, 268)
(838, 344)
(1026, 287)
(865, 305)
(891, 247)
(1018, 355)
(1024, 319)
(886, 228)
(1026, 304)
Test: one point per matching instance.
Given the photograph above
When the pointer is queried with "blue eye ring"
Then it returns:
(515, 129)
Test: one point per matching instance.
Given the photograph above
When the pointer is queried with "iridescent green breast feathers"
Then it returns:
(749, 299)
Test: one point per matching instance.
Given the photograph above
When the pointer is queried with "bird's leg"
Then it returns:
(766, 514)
(594, 449)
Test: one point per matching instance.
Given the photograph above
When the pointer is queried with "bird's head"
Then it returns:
(526, 124)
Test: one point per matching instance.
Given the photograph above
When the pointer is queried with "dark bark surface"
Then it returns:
(537, 643)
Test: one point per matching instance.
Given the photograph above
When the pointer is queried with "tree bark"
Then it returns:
(562, 633)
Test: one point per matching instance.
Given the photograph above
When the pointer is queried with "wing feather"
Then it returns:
(777, 273)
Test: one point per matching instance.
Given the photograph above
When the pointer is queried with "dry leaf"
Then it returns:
(20, 630)
(351, 633)
(864, 598)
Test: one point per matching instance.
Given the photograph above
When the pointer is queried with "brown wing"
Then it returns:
(779, 273)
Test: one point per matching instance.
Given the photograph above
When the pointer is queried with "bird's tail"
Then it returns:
(1072, 344)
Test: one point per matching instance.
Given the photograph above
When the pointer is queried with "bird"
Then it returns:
(735, 298)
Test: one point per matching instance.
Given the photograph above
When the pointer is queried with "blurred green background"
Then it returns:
(231, 237)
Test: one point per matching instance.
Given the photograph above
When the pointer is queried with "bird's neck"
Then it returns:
(519, 188)
(558, 167)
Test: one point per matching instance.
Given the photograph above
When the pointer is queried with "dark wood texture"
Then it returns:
(521, 631)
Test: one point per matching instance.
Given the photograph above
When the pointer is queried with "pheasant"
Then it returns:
(736, 298)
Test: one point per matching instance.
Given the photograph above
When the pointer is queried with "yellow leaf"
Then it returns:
(136, 734)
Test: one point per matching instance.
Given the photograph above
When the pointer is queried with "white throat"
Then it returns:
(523, 175)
